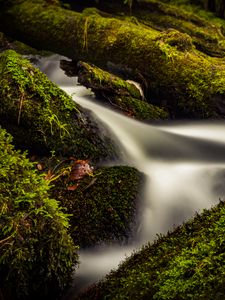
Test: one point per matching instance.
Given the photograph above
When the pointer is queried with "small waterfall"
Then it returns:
(184, 164)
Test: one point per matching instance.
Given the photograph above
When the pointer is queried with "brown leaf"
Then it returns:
(49, 175)
(79, 169)
(72, 187)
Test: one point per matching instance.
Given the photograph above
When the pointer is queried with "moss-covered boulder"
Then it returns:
(103, 204)
(37, 255)
(187, 263)
(43, 118)
(126, 96)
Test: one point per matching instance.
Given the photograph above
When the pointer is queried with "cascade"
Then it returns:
(184, 163)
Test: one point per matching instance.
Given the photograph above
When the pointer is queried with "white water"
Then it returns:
(185, 168)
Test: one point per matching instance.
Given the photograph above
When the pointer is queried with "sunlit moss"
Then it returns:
(42, 118)
(37, 255)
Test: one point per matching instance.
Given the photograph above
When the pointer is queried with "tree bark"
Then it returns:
(178, 76)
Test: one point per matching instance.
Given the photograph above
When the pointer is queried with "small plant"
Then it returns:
(37, 255)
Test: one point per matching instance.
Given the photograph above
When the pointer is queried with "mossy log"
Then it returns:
(37, 255)
(125, 96)
(207, 36)
(42, 118)
(178, 76)
(187, 263)
(103, 205)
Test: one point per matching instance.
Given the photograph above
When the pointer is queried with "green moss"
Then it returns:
(206, 31)
(187, 263)
(189, 83)
(206, 34)
(182, 41)
(120, 94)
(103, 206)
(43, 118)
(37, 255)
(138, 109)
(99, 79)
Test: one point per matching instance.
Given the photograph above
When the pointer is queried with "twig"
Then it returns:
(20, 107)
(6, 239)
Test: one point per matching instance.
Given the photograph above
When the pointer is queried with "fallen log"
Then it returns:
(189, 83)
(207, 36)
(126, 96)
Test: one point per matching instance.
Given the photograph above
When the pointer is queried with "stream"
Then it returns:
(184, 163)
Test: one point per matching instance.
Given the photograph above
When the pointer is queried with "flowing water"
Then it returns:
(184, 165)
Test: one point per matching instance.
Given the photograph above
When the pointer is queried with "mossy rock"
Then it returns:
(37, 255)
(42, 118)
(125, 96)
(187, 263)
(103, 206)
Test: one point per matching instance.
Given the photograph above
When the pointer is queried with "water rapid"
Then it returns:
(184, 165)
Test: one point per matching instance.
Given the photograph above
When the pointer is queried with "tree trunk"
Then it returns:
(177, 76)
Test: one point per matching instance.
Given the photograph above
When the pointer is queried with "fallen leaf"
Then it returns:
(49, 175)
(72, 187)
(79, 169)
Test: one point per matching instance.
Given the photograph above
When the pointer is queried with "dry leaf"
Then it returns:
(72, 187)
(49, 175)
(79, 169)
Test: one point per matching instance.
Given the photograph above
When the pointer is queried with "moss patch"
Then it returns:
(36, 255)
(189, 83)
(187, 263)
(206, 34)
(43, 118)
(103, 205)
